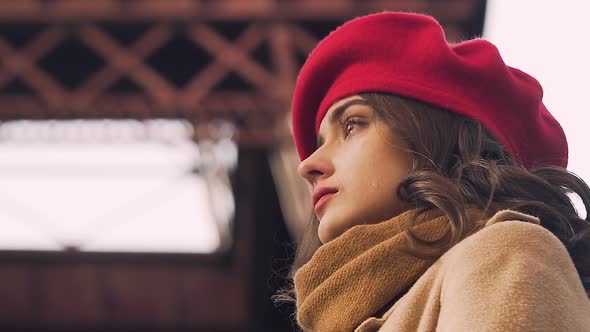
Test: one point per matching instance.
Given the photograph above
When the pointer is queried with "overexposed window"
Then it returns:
(113, 185)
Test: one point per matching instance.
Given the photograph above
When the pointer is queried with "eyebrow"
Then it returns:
(338, 111)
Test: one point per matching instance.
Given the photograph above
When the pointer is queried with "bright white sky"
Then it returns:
(550, 41)
(116, 194)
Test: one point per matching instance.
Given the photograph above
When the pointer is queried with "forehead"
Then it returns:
(337, 106)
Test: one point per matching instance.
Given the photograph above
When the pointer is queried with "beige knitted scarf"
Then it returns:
(352, 277)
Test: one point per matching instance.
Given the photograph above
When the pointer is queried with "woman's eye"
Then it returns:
(350, 125)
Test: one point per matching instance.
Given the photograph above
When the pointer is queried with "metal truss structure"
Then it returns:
(198, 60)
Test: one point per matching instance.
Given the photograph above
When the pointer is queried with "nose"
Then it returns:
(315, 167)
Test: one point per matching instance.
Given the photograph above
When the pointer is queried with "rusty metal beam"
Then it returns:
(126, 10)
(255, 116)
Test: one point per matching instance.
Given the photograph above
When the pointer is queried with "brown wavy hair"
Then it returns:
(459, 164)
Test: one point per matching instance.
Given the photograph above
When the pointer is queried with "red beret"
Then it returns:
(407, 55)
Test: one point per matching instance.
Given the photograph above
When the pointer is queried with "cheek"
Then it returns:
(374, 187)
(379, 187)
(367, 185)
(355, 160)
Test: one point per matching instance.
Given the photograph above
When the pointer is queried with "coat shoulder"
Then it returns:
(514, 235)
(512, 275)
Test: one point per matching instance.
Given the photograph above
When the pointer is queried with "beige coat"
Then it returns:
(510, 276)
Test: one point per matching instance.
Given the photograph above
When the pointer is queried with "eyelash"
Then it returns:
(350, 121)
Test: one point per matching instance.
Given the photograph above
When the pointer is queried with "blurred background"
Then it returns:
(147, 172)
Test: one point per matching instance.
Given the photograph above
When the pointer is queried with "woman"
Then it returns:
(439, 189)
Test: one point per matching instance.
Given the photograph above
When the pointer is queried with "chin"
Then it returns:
(328, 231)
(324, 232)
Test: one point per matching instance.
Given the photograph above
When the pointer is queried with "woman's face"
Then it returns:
(355, 170)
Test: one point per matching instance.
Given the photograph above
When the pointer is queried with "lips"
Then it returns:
(320, 192)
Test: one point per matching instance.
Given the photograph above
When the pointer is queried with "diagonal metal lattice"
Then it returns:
(286, 30)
